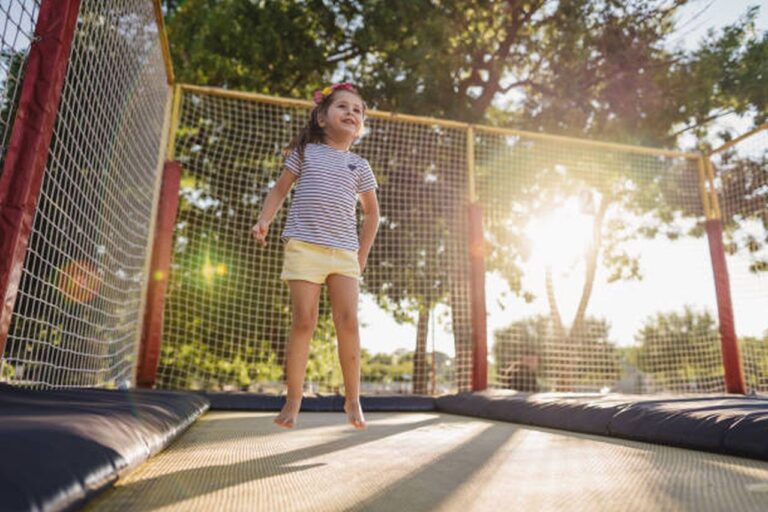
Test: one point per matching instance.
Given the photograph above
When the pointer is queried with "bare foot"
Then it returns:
(288, 414)
(354, 414)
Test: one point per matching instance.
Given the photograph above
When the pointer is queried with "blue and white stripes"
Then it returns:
(325, 196)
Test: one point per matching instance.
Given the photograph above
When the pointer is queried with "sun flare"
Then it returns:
(560, 237)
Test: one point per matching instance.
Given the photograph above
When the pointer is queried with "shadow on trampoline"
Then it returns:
(427, 461)
(652, 477)
(453, 469)
(189, 483)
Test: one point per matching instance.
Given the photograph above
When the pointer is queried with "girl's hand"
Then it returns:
(259, 232)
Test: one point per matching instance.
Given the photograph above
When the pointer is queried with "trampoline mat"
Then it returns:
(427, 461)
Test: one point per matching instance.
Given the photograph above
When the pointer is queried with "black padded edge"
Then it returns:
(59, 448)
(330, 403)
(748, 436)
(730, 424)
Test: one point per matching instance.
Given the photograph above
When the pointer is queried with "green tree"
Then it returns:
(419, 255)
(742, 180)
(593, 356)
(724, 76)
(387, 369)
(681, 351)
(755, 355)
(576, 67)
(12, 62)
(587, 56)
(279, 47)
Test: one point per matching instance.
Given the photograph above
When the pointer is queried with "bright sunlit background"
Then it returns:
(560, 238)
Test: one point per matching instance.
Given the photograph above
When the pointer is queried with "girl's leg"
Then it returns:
(305, 297)
(343, 293)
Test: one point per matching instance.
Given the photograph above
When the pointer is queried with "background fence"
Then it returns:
(79, 301)
(228, 312)
(598, 268)
(598, 274)
(740, 172)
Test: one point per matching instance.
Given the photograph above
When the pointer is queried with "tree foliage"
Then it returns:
(277, 47)
(589, 362)
(575, 67)
(681, 351)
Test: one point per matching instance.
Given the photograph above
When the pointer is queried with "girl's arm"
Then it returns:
(370, 205)
(272, 204)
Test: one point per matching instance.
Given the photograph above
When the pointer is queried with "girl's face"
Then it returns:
(344, 120)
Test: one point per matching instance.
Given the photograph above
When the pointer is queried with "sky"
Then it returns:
(697, 17)
(675, 274)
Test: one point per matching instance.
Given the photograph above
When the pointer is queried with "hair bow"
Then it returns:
(321, 94)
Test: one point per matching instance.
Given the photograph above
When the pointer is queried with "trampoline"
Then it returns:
(68, 449)
(427, 461)
(126, 263)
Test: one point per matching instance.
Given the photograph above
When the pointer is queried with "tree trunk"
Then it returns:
(579, 319)
(577, 332)
(563, 371)
(554, 311)
(420, 370)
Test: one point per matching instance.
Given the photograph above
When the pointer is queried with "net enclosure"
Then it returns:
(597, 269)
(504, 258)
(78, 307)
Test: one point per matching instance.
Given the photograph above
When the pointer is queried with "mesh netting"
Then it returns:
(78, 309)
(741, 180)
(15, 39)
(598, 268)
(598, 273)
(228, 313)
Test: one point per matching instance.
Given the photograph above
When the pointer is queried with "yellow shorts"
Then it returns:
(314, 263)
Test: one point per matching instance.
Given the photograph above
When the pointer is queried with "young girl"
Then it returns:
(322, 240)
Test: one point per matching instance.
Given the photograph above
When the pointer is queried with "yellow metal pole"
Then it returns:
(166, 49)
(714, 200)
(703, 188)
(738, 139)
(587, 142)
(445, 123)
(174, 124)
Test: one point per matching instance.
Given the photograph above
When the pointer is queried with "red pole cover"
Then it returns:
(28, 146)
(160, 267)
(734, 373)
(477, 298)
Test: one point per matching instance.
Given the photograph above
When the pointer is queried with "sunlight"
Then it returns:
(210, 270)
(561, 237)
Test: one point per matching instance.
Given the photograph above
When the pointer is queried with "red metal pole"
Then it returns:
(734, 372)
(477, 298)
(160, 267)
(27, 153)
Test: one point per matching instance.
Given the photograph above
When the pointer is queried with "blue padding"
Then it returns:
(749, 436)
(699, 422)
(576, 412)
(60, 447)
(331, 403)
(726, 424)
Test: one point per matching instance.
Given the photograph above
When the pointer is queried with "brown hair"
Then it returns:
(312, 132)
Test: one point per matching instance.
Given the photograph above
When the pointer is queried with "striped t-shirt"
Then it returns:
(325, 197)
